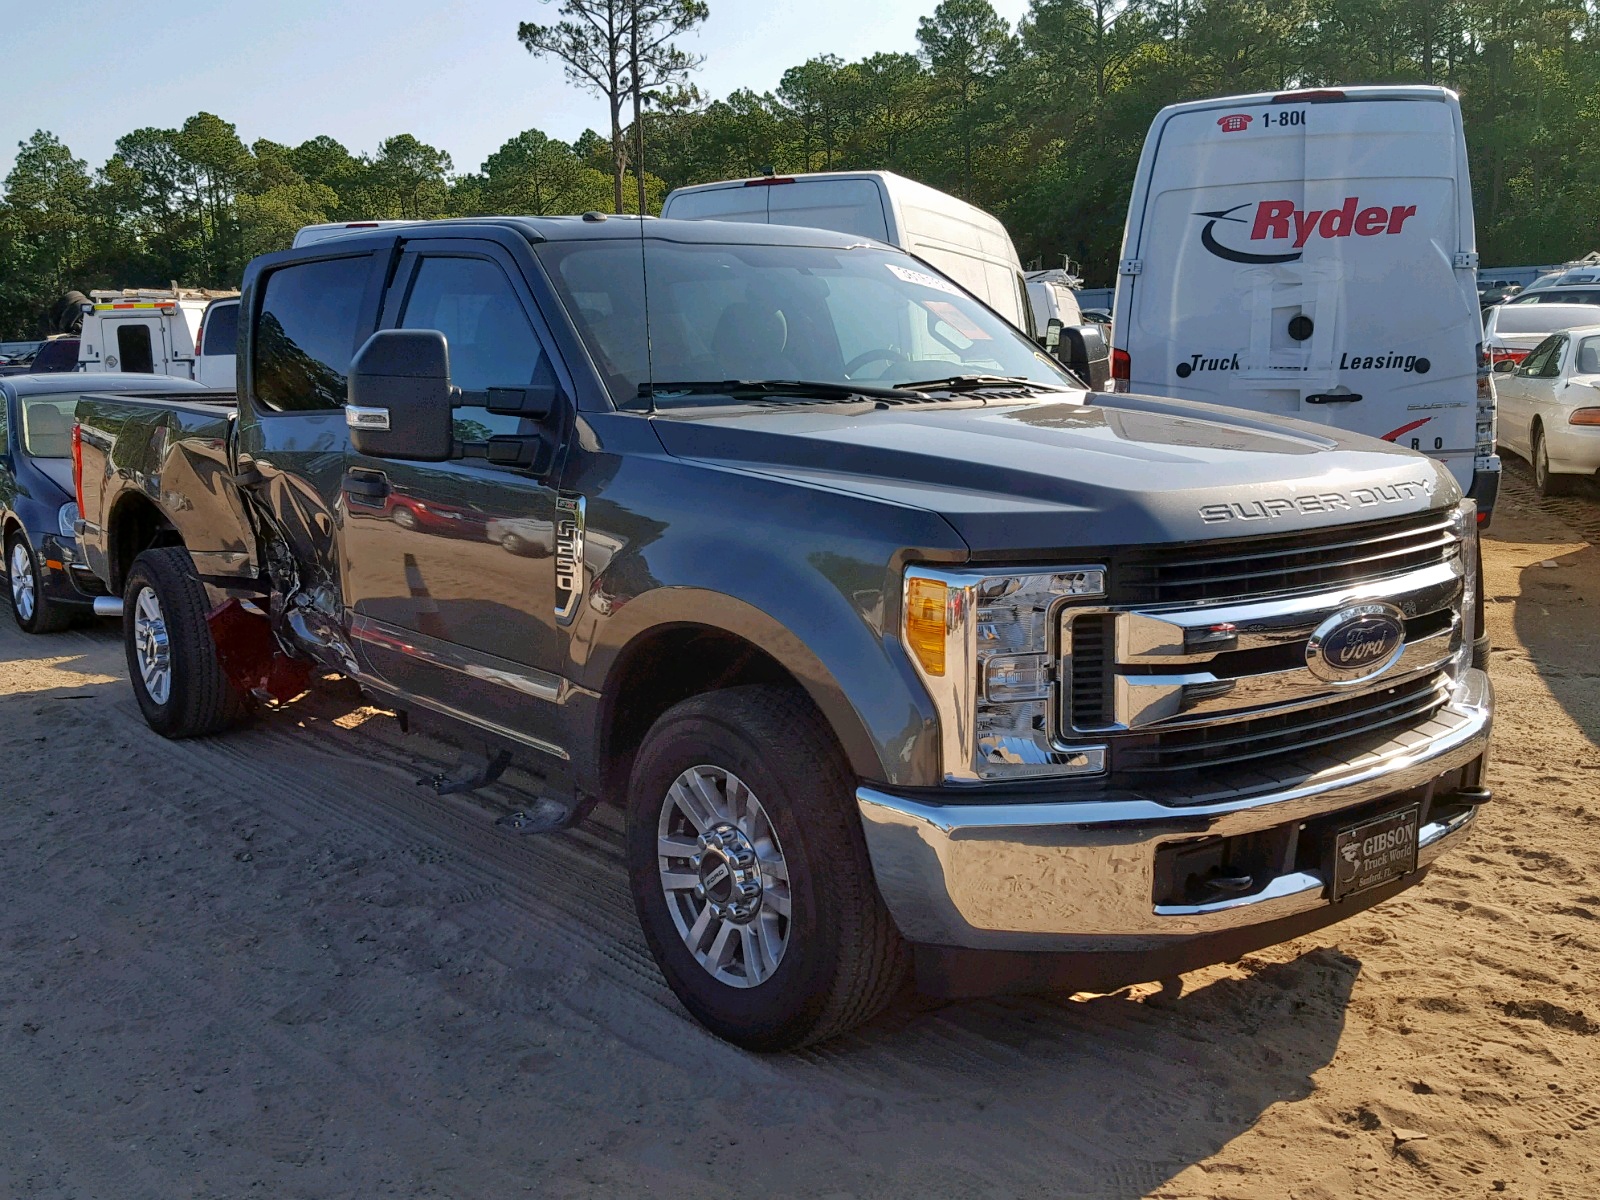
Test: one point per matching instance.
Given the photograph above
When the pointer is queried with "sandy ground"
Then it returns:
(269, 965)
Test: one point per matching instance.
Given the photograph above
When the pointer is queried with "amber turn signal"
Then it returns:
(926, 600)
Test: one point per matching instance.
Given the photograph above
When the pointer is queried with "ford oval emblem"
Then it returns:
(1357, 643)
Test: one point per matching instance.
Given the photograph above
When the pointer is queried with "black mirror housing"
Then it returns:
(399, 398)
(1504, 367)
(1086, 355)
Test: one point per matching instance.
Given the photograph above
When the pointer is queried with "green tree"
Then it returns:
(966, 43)
(612, 48)
(406, 179)
(43, 222)
(536, 174)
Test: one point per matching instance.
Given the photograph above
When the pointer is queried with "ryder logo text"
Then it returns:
(1279, 231)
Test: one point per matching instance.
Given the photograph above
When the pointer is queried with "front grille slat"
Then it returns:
(1092, 693)
(1367, 717)
(1278, 564)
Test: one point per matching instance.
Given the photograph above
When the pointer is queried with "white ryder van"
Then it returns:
(1312, 254)
(963, 241)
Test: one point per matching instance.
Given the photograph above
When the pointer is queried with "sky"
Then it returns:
(448, 71)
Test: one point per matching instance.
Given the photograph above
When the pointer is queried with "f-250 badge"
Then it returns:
(569, 555)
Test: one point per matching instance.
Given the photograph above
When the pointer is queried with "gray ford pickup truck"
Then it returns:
(907, 657)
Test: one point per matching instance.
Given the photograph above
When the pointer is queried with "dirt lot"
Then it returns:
(268, 965)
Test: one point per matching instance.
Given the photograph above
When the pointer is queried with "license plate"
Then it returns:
(1375, 852)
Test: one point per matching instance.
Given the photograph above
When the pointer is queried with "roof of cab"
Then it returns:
(611, 228)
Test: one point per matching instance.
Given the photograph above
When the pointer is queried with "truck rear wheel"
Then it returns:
(172, 659)
(750, 874)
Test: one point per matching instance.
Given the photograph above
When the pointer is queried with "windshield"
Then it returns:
(864, 316)
(47, 424)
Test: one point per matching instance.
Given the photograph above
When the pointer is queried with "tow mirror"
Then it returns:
(399, 397)
(1084, 352)
(1504, 367)
(1052, 335)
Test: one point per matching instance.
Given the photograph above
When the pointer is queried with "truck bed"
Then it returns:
(162, 460)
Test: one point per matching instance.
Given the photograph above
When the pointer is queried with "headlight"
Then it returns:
(67, 520)
(1464, 526)
(982, 645)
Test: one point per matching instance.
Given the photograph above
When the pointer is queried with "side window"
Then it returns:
(305, 336)
(1551, 367)
(221, 332)
(492, 342)
(1535, 361)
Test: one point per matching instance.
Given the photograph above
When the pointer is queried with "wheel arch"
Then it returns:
(728, 643)
(135, 524)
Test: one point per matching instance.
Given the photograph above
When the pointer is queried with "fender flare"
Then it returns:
(895, 741)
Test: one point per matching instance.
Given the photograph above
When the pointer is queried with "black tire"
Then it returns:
(199, 699)
(45, 615)
(843, 959)
(1547, 482)
(66, 314)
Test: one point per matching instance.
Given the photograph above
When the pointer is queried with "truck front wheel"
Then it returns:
(172, 659)
(750, 873)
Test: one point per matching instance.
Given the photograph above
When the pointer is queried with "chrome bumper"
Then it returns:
(1076, 875)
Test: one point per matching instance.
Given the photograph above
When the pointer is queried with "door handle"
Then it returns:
(369, 485)
(1333, 397)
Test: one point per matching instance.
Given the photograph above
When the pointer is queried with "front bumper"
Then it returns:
(63, 575)
(1080, 875)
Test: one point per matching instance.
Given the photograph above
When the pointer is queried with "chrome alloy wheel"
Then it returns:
(724, 875)
(23, 596)
(151, 645)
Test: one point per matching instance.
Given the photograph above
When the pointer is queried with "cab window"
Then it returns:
(491, 341)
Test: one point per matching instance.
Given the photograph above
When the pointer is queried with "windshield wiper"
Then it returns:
(811, 389)
(973, 383)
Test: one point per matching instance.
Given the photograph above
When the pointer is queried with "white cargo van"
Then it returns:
(963, 241)
(215, 350)
(143, 331)
(1053, 296)
(1312, 254)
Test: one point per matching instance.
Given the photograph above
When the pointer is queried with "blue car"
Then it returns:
(50, 586)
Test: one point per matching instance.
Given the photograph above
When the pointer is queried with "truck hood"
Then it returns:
(1052, 475)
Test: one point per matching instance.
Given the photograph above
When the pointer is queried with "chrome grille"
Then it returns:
(1349, 724)
(1186, 694)
(1280, 564)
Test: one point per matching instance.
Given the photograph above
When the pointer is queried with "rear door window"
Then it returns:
(305, 335)
(135, 354)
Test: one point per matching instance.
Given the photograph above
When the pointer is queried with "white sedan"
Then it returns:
(1549, 408)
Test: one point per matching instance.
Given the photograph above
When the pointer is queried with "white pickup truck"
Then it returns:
(145, 331)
